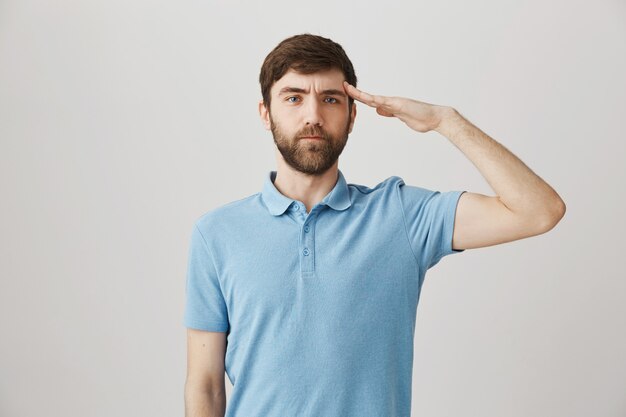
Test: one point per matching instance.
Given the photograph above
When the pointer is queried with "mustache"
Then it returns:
(312, 132)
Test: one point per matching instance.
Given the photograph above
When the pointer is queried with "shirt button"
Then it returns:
(306, 229)
(306, 252)
(296, 207)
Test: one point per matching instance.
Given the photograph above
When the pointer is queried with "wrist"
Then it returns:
(449, 117)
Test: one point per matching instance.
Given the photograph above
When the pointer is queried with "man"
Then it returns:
(306, 292)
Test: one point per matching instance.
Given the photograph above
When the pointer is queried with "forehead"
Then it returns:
(319, 81)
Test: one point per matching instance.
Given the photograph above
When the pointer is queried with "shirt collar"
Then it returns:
(338, 198)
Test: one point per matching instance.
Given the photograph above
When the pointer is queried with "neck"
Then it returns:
(309, 189)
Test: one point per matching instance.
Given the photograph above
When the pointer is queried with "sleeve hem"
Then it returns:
(449, 224)
(210, 326)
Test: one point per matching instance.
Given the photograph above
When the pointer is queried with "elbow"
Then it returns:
(553, 216)
(559, 210)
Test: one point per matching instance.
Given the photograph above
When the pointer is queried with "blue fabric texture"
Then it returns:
(319, 308)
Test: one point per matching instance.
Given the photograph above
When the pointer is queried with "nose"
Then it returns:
(313, 113)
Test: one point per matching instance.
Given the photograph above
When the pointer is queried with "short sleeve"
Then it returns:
(429, 220)
(205, 308)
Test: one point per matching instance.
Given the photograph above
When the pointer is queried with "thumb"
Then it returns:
(382, 112)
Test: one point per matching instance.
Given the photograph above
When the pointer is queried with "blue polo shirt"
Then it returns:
(319, 307)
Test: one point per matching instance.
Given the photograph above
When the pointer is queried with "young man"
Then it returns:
(306, 292)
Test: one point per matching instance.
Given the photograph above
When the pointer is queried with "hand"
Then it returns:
(418, 115)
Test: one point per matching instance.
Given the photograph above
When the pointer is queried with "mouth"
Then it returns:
(311, 137)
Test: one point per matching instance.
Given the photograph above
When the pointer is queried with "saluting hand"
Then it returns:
(418, 115)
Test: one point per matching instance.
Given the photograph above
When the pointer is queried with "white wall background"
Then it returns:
(121, 122)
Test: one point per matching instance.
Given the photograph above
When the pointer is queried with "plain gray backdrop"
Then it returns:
(121, 122)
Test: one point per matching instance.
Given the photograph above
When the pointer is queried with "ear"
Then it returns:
(265, 115)
(352, 116)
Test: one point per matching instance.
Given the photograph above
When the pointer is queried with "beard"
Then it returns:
(311, 157)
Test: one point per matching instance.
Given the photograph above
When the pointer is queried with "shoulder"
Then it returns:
(385, 185)
(226, 213)
(392, 190)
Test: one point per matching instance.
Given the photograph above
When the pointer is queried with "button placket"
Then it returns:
(308, 244)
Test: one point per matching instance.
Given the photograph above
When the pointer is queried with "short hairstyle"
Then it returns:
(306, 54)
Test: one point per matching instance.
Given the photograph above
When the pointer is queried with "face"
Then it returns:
(314, 105)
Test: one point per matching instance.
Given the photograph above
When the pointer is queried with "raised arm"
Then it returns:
(524, 204)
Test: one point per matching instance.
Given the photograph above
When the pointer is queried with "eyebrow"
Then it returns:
(329, 92)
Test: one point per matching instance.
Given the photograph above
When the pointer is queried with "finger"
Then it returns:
(363, 97)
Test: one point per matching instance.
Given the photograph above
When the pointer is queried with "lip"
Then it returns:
(311, 137)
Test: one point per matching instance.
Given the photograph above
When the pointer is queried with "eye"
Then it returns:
(289, 98)
(332, 98)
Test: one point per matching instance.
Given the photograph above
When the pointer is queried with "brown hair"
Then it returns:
(306, 54)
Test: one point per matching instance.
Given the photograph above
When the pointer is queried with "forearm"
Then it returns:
(519, 188)
(201, 402)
